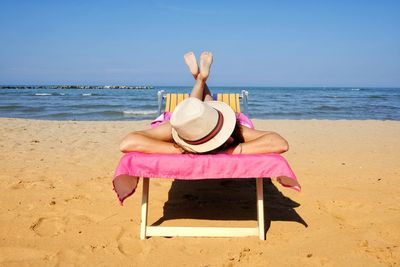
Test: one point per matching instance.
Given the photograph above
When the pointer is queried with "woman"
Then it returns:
(200, 125)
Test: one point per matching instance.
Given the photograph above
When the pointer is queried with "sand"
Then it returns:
(58, 207)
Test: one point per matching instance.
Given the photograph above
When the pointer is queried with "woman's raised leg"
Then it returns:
(201, 91)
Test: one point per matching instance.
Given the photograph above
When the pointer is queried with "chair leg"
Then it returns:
(260, 208)
(145, 198)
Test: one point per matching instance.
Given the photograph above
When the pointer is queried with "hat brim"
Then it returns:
(220, 138)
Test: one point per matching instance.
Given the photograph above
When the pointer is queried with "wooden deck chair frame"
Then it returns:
(232, 99)
(147, 230)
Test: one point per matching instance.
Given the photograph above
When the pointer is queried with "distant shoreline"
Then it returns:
(76, 87)
(46, 86)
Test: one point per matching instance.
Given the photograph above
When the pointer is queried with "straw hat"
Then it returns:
(200, 126)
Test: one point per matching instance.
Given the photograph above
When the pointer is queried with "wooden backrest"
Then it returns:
(232, 99)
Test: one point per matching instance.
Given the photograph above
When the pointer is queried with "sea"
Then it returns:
(104, 104)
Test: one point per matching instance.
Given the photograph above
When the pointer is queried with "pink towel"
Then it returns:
(195, 167)
(166, 116)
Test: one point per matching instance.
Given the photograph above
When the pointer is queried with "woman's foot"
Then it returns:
(190, 60)
(206, 60)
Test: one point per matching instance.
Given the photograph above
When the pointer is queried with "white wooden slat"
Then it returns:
(145, 198)
(260, 208)
(202, 231)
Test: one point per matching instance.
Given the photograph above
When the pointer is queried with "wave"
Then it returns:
(10, 107)
(103, 114)
(381, 107)
(43, 94)
(139, 112)
(376, 97)
(327, 108)
(86, 106)
(89, 94)
(285, 114)
(49, 94)
(33, 109)
(354, 97)
(60, 115)
(336, 96)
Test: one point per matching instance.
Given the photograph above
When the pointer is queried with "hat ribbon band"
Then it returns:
(211, 134)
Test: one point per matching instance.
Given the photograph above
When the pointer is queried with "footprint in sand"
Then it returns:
(25, 184)
(19, 254)
(48, 226)
(54, 226)
(244, 255)
(21, 185)
(69, 257)
(127, 244)
(118, 239)
(77, 197)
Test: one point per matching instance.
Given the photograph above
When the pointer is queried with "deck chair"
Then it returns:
(135, 165)
(170, 101)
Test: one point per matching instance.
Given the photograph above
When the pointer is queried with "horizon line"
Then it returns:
(215, 86)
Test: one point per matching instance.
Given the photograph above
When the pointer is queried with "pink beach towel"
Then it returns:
(166, 116)
(195, 167)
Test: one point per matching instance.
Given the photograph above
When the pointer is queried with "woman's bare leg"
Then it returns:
(198, 88)
(207, 96)
(203, 93)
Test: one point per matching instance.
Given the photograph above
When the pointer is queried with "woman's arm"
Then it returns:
(156, 140)
(259, 142)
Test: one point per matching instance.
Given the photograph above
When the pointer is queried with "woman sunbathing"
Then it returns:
(201, 125)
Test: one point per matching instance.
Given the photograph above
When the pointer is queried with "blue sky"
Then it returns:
(255, 43)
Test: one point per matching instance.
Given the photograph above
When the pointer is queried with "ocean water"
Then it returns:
(140, 104)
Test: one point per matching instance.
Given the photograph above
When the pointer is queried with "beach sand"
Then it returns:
(58, 207)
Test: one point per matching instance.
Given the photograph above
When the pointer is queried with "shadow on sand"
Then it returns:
(227, 199)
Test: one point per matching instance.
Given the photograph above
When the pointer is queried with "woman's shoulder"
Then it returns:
(244, 120)
(164, 117)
